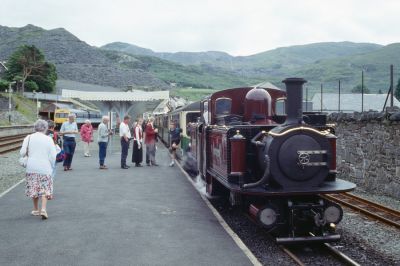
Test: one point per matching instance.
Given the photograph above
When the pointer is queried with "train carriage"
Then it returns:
(61, 115)
(184, 116)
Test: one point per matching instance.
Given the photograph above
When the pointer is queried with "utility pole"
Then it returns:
(306, 98)
(10, 90)
(391, 86)
(321, 97)
(339, 98)
(362, 90)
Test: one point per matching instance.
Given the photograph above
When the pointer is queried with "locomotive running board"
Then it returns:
(294, 240)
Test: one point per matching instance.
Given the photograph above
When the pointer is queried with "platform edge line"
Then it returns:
(253, 259)
(11, 188)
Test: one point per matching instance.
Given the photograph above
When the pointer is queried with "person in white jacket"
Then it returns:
(41, 153)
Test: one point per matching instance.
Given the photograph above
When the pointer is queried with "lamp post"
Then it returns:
(10, 90)
(36, 95)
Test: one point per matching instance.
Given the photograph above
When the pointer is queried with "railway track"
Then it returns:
(11, 143)
(368, 208)
(297, 254)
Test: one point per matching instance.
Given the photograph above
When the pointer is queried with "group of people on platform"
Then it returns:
(139, 130)
(42, 148)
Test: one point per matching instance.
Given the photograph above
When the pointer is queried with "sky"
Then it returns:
(234, 26)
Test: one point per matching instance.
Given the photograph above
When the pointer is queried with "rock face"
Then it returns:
(368, 152)
(74, 59)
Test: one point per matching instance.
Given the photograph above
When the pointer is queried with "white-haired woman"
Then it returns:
(69, 129)
(87, 137)
(41, 153)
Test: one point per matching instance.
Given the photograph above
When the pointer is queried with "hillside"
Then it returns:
(196, 76)
(74, 59)
(375, 65)
(318, 63)
(121, 64)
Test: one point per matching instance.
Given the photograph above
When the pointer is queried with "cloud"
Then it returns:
(237, 27)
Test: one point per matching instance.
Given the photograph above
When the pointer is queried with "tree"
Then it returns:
(3, 84)
(358, 89)
(47, 80)
(397, 90)
(28, 63)
(31, 86)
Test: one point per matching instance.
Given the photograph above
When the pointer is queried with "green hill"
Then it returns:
(121, 64)
(196, 76)
(318, 63)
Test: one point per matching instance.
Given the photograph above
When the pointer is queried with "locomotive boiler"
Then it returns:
(274, 165)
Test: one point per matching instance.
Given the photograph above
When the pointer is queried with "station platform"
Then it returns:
(138, 216)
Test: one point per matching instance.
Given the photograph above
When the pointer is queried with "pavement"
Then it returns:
(138, 216)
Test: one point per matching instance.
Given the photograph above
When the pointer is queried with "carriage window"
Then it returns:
(61, 115)
(192, 117)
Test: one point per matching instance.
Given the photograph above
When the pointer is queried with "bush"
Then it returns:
(3, 84)
(31, 86)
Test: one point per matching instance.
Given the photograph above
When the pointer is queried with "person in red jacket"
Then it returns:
(150, 141)
(87, 136)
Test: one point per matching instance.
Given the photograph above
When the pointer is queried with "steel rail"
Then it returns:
(379, 212)
(343, 257)
(11, 143)
(292, 255)
(331, 250)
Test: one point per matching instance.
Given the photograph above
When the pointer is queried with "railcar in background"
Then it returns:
(183, 116)
(61, 115)
(275, 166)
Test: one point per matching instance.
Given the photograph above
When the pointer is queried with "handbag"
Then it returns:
(60, 154)
(24, 159)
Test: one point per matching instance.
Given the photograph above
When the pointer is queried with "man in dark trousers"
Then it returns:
(125, 135)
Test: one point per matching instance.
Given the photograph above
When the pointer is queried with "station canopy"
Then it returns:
(120, 96)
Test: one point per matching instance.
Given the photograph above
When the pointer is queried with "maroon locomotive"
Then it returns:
(274, 165)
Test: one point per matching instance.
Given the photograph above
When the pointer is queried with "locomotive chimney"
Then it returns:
(294, 101)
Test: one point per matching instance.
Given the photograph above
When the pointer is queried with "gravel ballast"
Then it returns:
(365, 241)
(11, 172)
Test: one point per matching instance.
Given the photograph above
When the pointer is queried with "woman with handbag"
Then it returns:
(39, 153)
(51, 132)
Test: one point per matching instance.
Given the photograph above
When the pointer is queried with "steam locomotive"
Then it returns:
(275, 166)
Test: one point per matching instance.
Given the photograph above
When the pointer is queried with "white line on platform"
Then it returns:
(11, 188)
(221, 220)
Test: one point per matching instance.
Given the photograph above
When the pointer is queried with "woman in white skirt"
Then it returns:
(41, 153)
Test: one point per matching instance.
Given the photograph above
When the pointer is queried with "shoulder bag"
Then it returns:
(24, 159)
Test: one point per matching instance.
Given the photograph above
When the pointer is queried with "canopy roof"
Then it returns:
(131, 96)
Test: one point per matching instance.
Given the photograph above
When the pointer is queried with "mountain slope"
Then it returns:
(74, 59)
(195, 76)
(319, 63)
(286, 57)
(375, 64)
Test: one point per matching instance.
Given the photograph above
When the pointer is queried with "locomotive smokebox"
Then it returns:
(294, 100)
